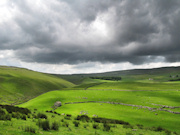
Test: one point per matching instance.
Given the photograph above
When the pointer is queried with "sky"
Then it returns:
(89, 36)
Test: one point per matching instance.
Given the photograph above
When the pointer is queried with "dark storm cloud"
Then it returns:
(64, 31)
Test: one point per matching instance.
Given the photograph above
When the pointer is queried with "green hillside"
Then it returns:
(19, 85)
(135, 107)
(148, 97)
(163, 74)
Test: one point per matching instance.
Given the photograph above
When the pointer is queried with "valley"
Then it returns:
(142, 97)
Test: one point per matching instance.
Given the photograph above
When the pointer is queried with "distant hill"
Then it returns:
(157, 74)
(19, 84)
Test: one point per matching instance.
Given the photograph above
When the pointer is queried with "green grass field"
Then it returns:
(136, 99)
(134, 115)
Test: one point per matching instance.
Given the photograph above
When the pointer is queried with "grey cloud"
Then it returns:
(60, 31)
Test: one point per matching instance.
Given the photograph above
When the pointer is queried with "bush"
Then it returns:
(65, 124)
(17, 115)
(23, 117)
(11, 109)
(106, 127)
(76, 123)
(95, 126)
(83, 118)
(2, 111)
(112, 121)
(45, 125)
(128, 126)
(85, 125)
(55, 126)
(4, 115)
(30, 129)
(140, 126)
(159, 129)
(42, 116)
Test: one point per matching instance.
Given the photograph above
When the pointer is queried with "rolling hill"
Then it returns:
(18, 84)
(163, 74)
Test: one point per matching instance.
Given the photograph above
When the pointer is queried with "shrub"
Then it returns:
(112, 121)
(69, 115)
(8, 117)
(85, 125)
(23, 117)
(62, 120)
(159, 128)
(55, 126)
(29, 116)
(168, 132)
(65, 124)
(140, 126)
(42, 116)
(95, 126)
(76, 123)
(2, 111)
(128, 126)
(30, 129)
(4, 115)
(39, 123)
(83, 118)
(11, 109)
(16, 115)
(106, 127)
(45, 125)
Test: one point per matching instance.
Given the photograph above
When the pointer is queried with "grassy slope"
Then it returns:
(139, 90)
(17, 127)
(17, 84)
(157, 74)
(127, 113)
(101, 90)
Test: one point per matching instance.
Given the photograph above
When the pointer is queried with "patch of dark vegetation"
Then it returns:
(95, 126)
(7, 112)
(128, 126)
(41, 115)
(4, 115)
(174, 80)
(53, 112)
(65, 124)
(55, 126)
(140, 126)
(76, 123)
(30, 129)
(106, 127)
(160, 129)
(11, 109)
(83, 118)
(67, 117)
(44, 124)
(107, 78)
(112, 121)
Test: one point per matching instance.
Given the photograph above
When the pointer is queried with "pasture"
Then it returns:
(138, 106)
